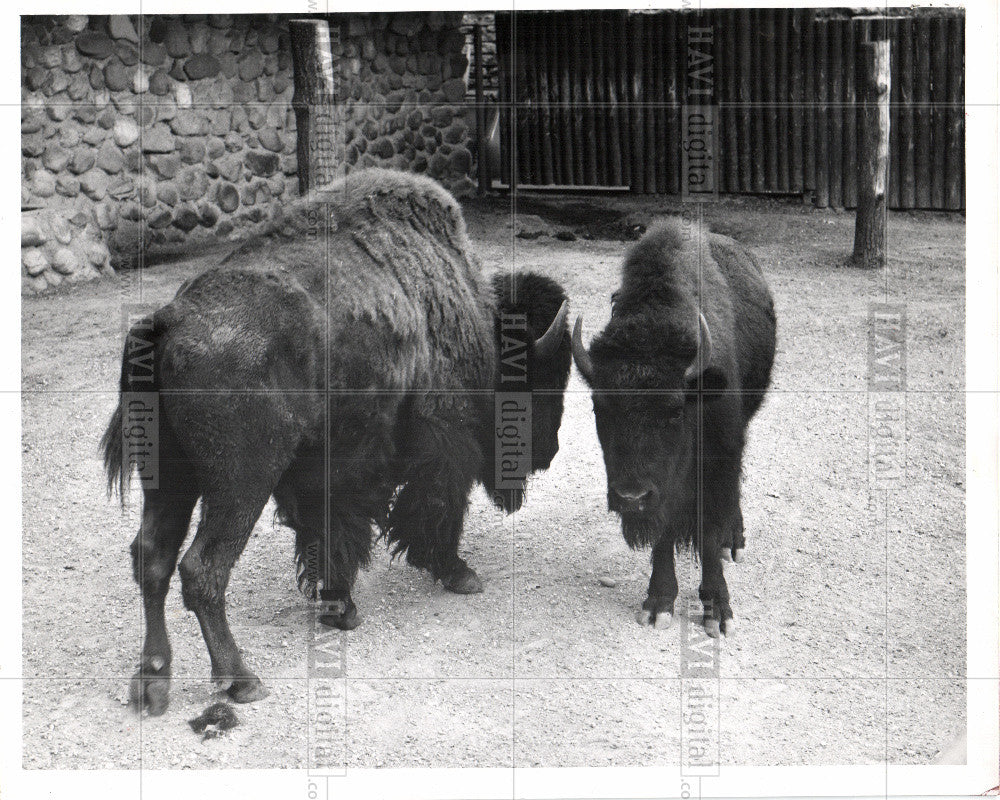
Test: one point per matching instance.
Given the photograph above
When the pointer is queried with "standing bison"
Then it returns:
(346, 363)
(676, 376)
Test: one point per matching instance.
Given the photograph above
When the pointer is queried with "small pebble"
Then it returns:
(611, 583)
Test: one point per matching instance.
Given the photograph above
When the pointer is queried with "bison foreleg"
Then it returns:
(426, 520)
(658, 607)
(713, 591)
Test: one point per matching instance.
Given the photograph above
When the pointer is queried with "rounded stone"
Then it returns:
(192, 150)
(192, 184)
(153, 54)
(460, 161)
(227, 197)
(262, 164)
(167, 194)
(61, 230)
(116, 77)
(34, 261)
(270, 140)
(215, 147)
(208, 215)
(160, 218)
(110, 159)
(43, 183)
(96, 76)
(96, 252)
(158, 139)
(186, 218)
(202, 66)
(167, 165)
(67, 186)
(234, 142)
(383, 149)
(127, 53)
(94, 44)
(65, 261)
(126, 132)
(176, 39)
(159, 83)
(55, 158)
(188, 123)
(456, 132)
(251, 66)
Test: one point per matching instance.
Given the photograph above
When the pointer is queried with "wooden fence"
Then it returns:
(595, 98)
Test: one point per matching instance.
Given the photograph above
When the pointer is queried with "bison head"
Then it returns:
(534, 352)
(646, 374)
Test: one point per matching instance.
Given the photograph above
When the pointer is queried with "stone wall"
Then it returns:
(145, 133)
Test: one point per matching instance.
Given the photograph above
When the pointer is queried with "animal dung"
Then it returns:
(215, 719)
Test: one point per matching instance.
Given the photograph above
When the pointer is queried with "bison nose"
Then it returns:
(633, 499)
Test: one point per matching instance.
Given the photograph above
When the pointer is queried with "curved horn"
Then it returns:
(580, 354)
(704, 354)
(547, 344)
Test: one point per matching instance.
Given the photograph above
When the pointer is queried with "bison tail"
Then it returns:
(118, 469)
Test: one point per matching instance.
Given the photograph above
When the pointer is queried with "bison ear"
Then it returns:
(710, 383)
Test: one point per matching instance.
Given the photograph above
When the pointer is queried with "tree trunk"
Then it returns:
(873, 156)
(314, 104)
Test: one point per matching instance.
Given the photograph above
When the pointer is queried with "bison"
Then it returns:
(345, 363)
(675, 378)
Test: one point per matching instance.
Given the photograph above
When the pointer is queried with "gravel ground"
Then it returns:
(851, 646)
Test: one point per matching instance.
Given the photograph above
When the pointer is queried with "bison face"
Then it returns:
(646, 384)
(533, 347)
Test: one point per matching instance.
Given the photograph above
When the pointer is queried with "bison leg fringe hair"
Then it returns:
(425, 522)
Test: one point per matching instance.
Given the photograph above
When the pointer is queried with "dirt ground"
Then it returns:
(851, 645)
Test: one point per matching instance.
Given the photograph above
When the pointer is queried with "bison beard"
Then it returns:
(676, 376)
(344, 363)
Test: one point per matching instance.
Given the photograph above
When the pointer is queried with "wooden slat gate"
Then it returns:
(595, 98)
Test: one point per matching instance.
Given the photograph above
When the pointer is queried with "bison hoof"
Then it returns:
(463, 580)
(656, 611)
(732, 554)
(716, 628)
(346, 620)
(247, 690)
(149, 688)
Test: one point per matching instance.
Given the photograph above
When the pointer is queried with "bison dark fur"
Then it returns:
(676, 376)
(345, 363)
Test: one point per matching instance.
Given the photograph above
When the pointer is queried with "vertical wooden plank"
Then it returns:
(578, 99)
(660, 98)
(822, 114)
(745, 38)
(610, 91)
(571, 141)
(892, 30)
(520, 109)
(904, 56)
(539, 132)
(795, 98)
(730, 95)
(759, 146)
(939, 100)
(622, 81)
(649, 97)
(768, 68)
(955, 160)
(783, 96)
(850, 176)
(549, 73)
(636, 50)
(809, 98)
(504, 62)
(836, 121)
(596, 41)
(675, 36)
(922, 157)
(589, 120)
(717, 25)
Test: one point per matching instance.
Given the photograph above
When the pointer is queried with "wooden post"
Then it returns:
(873, 156)
(822, 131)
(313, 103)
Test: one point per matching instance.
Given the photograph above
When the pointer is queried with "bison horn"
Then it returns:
(547, 344)
(580, 354)
(704, 354)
